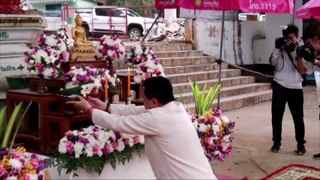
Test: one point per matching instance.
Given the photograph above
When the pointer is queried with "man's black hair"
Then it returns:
(291, 28)
(312, 31)
(159, 88)
(312, 35)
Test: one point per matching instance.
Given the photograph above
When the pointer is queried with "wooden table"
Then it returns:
(44, 101)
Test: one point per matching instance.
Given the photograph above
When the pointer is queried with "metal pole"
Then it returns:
(221, 49)
(294, 11)
(154, 22)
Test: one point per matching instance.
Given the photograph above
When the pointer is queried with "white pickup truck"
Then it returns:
(107, 19)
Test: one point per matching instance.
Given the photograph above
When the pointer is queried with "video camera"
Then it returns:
(307, 52)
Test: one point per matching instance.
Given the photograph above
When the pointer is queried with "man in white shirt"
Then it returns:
(171, 142)
(312, 39)
(287, 88)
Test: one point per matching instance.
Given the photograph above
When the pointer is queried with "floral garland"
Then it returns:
(22, 165)
(89, 79)
(45, 59)
(91, 148)
(139, 54)
(215, 133)
(147, 69)
(111, 48)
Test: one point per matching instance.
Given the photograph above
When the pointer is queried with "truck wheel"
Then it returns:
(135, 33)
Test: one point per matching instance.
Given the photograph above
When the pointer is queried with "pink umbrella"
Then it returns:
(310, 9)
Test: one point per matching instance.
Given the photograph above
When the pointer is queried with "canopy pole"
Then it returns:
(154, 22)
(221, 49)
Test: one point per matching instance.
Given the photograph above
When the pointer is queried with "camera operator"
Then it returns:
(287, 87)
(308, 61)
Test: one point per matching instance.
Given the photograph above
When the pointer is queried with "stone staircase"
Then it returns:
(181, 63)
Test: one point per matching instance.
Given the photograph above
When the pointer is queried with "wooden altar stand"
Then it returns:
(45, 102)
(59, 123)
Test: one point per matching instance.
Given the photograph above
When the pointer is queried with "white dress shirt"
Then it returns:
(171, 142)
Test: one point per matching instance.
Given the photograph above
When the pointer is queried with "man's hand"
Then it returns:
(82, 105)
(97, 103)
(301, 67)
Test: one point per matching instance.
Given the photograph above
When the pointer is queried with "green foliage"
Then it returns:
(204, 100)
(7, 134)
(2, 120)
(94, 163)
(19, 124)
(127, 3)
(6, 130)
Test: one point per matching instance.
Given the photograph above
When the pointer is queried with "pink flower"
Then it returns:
(2, 171)
(64, 56)
(115, 145)
(127, 142)
(136, 140)
(69, 146)
(105, 150)
(69, 133)
(148, 75)
(96, 134)
(95, 149)
(34, 51)
(40, 67)
(35, 163)
(26, 177)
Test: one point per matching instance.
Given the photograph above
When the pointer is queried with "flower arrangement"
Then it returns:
(147, 69)
(91, 148)
(213, 128)
(111, 48)
(88, 80)
(18, 164)
(139, 54)
(45, 59)
(215, 133)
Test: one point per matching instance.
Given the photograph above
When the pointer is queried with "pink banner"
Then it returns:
(167, 4)
(267, 6)
(259, 6)
(210, 4)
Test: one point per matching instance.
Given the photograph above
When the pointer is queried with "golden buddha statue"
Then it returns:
(79, 34)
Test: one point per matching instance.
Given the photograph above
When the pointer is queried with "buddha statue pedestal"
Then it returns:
(83, 53)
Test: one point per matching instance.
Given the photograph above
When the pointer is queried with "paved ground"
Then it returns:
(251, 156)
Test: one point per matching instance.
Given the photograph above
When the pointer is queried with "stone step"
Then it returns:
(186, 61)
(121, 67)
(175, 61)
(203, 75)
(225, 82)
(163, 46)
(193, 68)
(187, 98)
(188, 53)
(234, 102)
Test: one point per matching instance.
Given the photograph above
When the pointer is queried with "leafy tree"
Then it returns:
(127, 3)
